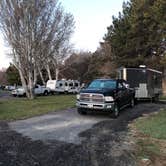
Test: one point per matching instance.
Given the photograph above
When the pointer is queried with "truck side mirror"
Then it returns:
(127, 86)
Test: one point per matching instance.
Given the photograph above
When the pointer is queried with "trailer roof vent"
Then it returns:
(142, 66)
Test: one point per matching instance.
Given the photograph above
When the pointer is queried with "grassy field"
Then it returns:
(151, 137)
(153, 126)
(163, 98)
(21, 108)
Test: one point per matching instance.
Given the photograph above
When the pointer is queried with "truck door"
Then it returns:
(37, 89)
(128, 94)
(122, 94)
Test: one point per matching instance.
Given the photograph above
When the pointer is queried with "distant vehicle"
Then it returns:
(39, 90)
(18, 92)
(10, 87)
(107, 95)
(63, 86)
(2, 87)
(146, 82)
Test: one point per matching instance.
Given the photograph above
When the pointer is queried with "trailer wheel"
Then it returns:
(155, 98)
(66, 92)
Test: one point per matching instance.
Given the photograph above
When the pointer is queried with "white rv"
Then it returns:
(63, 86)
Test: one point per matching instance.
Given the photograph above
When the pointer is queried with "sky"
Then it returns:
(92, 17)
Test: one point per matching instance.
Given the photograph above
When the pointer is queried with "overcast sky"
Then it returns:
(92, 17)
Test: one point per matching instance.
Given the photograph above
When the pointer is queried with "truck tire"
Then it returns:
(46, 93)
(81, 111)
(115, 112)
(132, 103)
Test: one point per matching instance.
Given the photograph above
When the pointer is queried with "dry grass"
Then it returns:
(149, 135)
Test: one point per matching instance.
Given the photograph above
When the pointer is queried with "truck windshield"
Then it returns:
(99, 84)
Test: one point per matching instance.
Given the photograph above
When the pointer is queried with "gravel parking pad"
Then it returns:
(96, 140)
(62, 126)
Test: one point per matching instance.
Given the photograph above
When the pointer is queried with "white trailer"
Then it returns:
(146, 82)
(63, 86)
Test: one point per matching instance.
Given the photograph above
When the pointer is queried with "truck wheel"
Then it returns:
(81, 111)
(132, 103)
(45, 93)
(52, 93)
(66, 92)
(115, 112)
(155, 98)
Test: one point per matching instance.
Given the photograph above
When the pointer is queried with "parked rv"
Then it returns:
(63, 86)
(146, 82)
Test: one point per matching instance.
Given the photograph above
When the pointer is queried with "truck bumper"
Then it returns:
(95, 106)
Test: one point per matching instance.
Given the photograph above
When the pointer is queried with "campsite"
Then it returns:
(82, 83)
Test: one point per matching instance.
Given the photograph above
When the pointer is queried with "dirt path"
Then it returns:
(103, 144)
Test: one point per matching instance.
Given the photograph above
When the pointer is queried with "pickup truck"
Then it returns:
(109, 95)
(39, 90)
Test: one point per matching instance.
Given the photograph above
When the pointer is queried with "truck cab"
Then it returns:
(109, 95)
(38, 90)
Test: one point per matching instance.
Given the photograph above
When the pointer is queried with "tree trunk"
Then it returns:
(41, 76)
(48, 71)
(23, 81)
(35, 76)
(31, 85)
(57, 73)
(164, 82)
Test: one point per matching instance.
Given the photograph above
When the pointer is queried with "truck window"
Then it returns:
(121, 85)
(109, 84)
(66, 84)
(36, 86)
(60, 84)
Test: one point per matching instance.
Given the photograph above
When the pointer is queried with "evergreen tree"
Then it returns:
(137, 35)
(12, 75)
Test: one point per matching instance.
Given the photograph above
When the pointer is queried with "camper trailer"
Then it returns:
(63, 86)
(146, 82)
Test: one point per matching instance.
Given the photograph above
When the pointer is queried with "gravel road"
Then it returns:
(65, 138)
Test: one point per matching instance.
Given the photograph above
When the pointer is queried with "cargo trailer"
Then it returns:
(146, 82)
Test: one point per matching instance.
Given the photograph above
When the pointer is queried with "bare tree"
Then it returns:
(36, 31)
